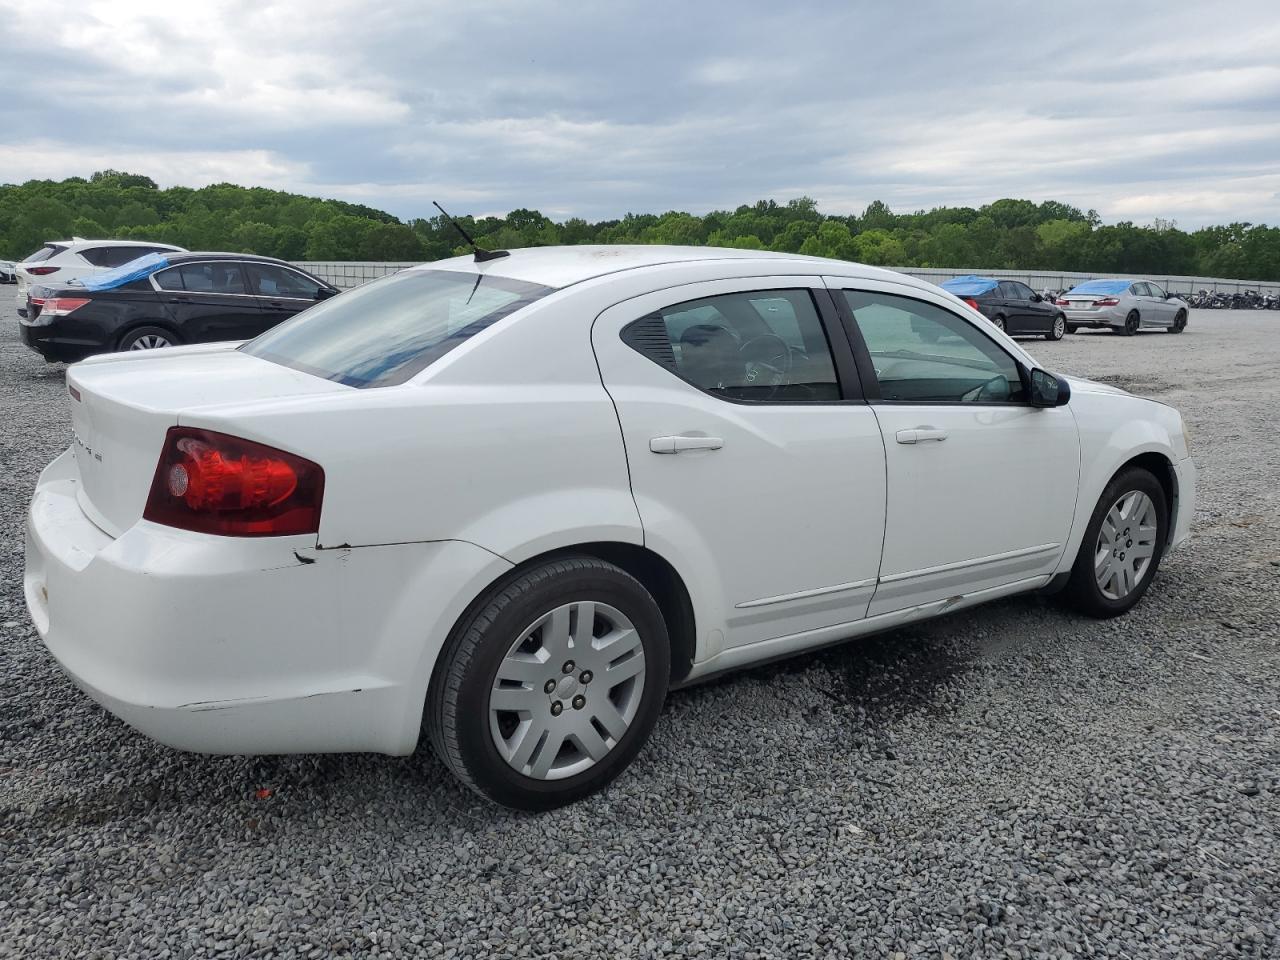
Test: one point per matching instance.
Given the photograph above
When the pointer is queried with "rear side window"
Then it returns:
(115, 256)
(45, 252)
(761, 345)
(388, 330)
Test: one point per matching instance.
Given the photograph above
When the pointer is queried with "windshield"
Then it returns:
(1101, 286)
(386, 331)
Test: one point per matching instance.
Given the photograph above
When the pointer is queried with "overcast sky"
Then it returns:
(1140, 110)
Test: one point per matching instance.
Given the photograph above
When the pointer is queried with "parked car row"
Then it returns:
(164, 299)
(1123, 306)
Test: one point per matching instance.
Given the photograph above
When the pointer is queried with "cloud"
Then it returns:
(1139, 110)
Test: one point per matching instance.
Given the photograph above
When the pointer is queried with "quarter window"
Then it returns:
(269, 280)
(925, 354)
(762, 345)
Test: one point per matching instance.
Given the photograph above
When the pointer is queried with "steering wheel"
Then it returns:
(768, 361)
(997, 388)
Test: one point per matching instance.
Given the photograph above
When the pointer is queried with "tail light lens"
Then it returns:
(971, 302)
(41, 271)
(1060, 302)
(1107, 302)
(59, 306)
(211, 482)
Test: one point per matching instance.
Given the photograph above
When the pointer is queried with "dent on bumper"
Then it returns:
(242, 645)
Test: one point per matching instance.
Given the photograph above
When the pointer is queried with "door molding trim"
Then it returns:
(805, 594)
(977, 562)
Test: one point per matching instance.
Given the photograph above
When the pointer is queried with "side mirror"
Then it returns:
(1036, 298)
(324, 293)
(1048, 390)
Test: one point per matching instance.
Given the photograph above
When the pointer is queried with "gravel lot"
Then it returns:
(1012, 781)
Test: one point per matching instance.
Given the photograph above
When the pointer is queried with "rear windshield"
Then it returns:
(969, 286)
(44, 253)
(386, 331)
(1102, 286)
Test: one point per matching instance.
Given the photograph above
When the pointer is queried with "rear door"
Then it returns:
(981, 485)
(753, 458)
(282, 291)
(209, 301)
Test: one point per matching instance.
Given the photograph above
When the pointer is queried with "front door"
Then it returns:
(281, 291)
(981, 485)
(753, 459)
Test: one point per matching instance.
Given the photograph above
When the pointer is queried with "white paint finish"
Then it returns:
(790, 502)
(508, 447)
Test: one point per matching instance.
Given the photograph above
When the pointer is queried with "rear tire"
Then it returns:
(1059, 328)
(148, 338)
(519, 678)
(1072, 328)
(1131, 324)
(999, 323)
(1179, 322)
(1109, 577)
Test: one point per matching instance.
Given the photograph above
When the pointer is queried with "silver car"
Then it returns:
(1124, 306)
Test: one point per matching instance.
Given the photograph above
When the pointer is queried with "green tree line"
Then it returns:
(1007, 234)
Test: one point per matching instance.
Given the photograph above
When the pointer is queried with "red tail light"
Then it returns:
(59, 306)
(215, 483)
(1107, 302)
(41, 271)
(971, 302)
(1060, 302)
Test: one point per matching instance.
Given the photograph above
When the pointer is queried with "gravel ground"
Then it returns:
(1012, 781)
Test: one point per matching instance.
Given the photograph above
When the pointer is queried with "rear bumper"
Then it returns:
(243, 645)
(45, 341)
(1094, 318)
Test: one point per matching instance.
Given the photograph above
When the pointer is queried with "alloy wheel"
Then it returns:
(1126, 545)
(999, 322)
(1059, 328)
(567, 690)
(149, 341)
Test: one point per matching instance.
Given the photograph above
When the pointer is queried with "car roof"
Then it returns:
(76, 243)
(185, 256)
(565, 266)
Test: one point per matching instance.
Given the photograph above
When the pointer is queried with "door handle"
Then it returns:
(920, 434)
(677, 444)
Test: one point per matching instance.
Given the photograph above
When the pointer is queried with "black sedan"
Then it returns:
(163, 300)
(1012, 306)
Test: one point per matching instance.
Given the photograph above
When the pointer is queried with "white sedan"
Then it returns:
(513, 501)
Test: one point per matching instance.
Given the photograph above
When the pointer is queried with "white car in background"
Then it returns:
(61, 260)
(7, 274)
(513, 501)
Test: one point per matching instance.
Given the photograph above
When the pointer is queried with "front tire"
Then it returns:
(1059, 328)
(1179, 322)
(551, 684)
(1122, 546)
(148, 338)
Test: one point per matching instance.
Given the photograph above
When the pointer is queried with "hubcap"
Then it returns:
(999, 322)
(1126, 545)
(567, 690)
(150, 341)
(1059, 328)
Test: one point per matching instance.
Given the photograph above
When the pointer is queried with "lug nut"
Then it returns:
(586, 676)
(579, 702)
(549, 687)
(557, 708)
(568, 667)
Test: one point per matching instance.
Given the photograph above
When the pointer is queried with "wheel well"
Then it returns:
(1162, 469)
(657, 576)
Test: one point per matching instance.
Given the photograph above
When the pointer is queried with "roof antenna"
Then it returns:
(481, 254)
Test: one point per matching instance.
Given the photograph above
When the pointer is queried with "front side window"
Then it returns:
(925, 354)
(1156, 291)
(761, 345)
(1023, 291)
(388, 330)
(269, 280)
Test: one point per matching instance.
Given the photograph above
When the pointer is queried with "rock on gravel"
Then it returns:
(1011, 781)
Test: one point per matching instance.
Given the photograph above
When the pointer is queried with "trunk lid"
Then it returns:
(123, 404)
